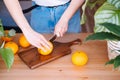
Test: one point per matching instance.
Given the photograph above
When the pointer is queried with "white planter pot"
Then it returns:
(113, 46)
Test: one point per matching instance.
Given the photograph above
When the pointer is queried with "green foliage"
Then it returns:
(1, 29)
(7, 56)
(103, 36)
(91, 5)
(115, 62)
(11, 33)
(107, 25)
(116, 3)
(107, 13)
(6, 53)
(83, 19)
(113, 34)
(113, 28)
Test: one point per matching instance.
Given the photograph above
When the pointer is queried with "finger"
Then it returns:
(62, 32)
(39, 46)
(42, 48)
(46, 43)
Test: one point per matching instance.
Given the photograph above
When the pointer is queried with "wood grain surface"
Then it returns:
(62, 68)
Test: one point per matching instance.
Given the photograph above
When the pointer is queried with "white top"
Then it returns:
(50, 2)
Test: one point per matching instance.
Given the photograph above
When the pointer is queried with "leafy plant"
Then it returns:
(107, 25)
(91, 4)
(113, 34)
(109, 12)
(6, 53)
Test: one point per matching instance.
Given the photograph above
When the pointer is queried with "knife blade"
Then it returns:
(53, 38)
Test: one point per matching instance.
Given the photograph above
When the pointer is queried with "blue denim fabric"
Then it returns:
(44, 19)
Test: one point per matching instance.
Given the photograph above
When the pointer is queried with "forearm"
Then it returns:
(15, 10)
(72, 8)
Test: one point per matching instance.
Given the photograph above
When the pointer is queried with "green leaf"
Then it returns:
(116, 3)
(117, 61)
(115, 29)
(83, 17)
(1, 29)
(7, 56)
(106, 13)
(110, 62)
(11, 32)
(102, 36)
(92, 4)
(118, 50)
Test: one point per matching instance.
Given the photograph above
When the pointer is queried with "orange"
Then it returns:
(12, 45)
(79, 58)
(48, 51)
(6, 37)
(23, 41)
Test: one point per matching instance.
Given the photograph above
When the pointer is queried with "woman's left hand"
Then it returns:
(60, 28)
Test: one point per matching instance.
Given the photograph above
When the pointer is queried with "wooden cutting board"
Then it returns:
(33, 59)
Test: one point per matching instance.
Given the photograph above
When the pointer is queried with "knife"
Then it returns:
(53, 38)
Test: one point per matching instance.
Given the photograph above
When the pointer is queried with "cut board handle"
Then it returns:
(75, 42)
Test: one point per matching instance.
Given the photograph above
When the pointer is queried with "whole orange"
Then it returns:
(79, 58)
(12, 45)
(48, 51)
(23, 42)
(6, 37)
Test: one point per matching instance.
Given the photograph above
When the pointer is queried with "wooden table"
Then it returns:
(62, 68)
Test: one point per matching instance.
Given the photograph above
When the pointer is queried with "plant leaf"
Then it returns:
(7, 56)
(11, 32)
(117, 61)
(83, 17)
(102, 36)
(116, 3)
(110, 62)
(115, 29)
(106, 13)
(1, 29)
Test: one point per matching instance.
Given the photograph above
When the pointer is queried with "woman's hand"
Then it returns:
(33, 37)
(61, 27)
(36, 39)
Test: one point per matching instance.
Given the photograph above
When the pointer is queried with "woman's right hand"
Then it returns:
(36, 39)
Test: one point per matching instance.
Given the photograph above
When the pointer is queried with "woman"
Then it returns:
(57, 16)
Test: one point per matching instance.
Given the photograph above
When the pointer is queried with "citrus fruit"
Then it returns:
(12, 45)
(48, 51)
(23, 41)
(7, 38)
(79, 58)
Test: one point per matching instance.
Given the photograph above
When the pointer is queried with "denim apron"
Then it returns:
(44, 19)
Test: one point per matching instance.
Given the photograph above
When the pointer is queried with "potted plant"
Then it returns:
(6, 53)
(107, 27)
